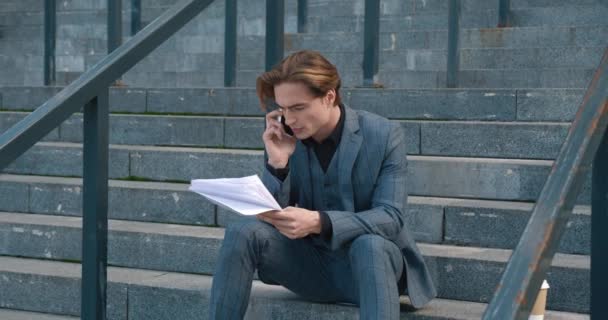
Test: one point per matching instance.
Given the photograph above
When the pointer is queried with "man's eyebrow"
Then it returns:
(291, 106)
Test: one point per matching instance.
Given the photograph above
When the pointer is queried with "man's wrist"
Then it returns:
(317, 225)
(277, 164)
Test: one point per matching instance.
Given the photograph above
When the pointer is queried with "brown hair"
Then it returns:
(306, 66)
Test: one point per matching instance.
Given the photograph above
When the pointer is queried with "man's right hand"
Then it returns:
(279, 145)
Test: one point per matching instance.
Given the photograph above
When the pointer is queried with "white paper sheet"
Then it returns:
(247, 195)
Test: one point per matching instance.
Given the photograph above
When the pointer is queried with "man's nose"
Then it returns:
(289, 120)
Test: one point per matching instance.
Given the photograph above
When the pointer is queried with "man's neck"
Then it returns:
(326, 131)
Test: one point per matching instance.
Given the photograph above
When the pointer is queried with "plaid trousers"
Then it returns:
(364, 273)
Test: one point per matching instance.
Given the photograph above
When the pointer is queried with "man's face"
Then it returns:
(307, 115)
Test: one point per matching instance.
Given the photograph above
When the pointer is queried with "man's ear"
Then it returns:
(331, 97)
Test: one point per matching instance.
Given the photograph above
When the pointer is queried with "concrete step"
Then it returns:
(591, 15)
(8, 314)
(216, 10)
(413, 7)
(412, 104)
(413, 69)
(476, 178)
(477, 223)
(460, 273)
(529, 37)
(15, 5)
(431, 219)
(349, 60)
(515, 37)
(435, 59)
(73, 49)
(163, 130)
(155, 296)
(490, 78)
(496, 58)
(532, 140)
(522, 140)
(500, 224)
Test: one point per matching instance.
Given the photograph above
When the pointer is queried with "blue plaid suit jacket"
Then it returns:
(372, 181)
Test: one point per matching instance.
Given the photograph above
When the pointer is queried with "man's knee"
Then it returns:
(372, 251)
(246, 231)
(367, 244)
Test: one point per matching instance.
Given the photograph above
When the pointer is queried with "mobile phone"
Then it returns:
(285, 127)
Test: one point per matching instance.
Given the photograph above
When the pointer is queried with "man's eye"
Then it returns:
(299, 108)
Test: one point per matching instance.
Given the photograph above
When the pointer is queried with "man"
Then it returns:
(341, 177)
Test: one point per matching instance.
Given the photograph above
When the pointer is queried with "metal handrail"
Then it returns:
(230, 40)
(371, 42)
(453, 63)
(50, 30)
(114, 24)
(599, 237)
(91, 91)
(275, 30)
(302, 16)
(504, 13)
(532, 257)
(135, 16)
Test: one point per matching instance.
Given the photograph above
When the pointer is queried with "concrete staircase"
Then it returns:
(478, 156)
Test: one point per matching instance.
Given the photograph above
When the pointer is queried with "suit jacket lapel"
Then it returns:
(347, 153)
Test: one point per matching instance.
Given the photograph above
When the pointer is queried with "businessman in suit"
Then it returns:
(341, 178)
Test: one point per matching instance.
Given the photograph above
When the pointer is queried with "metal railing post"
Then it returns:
(302, 16)
(135, 16)
(275, 26)
(371, 42)
(50, 27)
(95, 208)
(230, 35)
(504, 15)
(114, 24)
(599, 237)
(453, 63)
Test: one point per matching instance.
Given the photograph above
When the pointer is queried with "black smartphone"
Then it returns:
(286, 127)
(273, 106)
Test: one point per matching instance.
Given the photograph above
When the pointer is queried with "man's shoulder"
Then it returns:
(369, 121)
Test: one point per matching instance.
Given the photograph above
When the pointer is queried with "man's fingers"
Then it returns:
(273, 114)
(284, 224)
(278, 133)
(278, 216)
(272, 132)
(288, 234)
(272, 118)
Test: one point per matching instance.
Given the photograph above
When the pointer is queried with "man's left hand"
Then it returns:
(293, 222)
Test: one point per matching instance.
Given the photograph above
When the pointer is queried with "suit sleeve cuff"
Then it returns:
(280, 174)
(326, 227)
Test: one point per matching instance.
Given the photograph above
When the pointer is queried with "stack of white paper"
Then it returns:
(246, 195)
